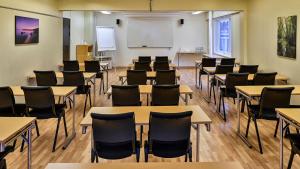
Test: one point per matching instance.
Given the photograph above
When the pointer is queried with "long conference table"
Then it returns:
(156, 165)
(251, 92)
(142, 114)
(150, 75)
(147, 89)
(60, 91)
(88, 77)
(13, 127)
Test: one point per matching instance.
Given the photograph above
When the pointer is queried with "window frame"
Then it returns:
(216, 34)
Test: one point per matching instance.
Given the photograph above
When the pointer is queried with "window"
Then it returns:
(222, 37)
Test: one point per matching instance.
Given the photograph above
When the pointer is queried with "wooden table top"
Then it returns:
(199, 62)
(142, 113)
(212, 70)
(222, 77)
(157, 165)
(292, 114)
(171, 65)
(86, 75)
(12, 126)
(147, 89)
(82, 64)
(150, 74)
(57, 90)
(255, 91)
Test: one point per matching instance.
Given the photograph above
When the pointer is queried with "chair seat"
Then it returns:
(20, 109)
(116, 150)
(8, 149)
(168, 149)
(47, 113)
(202, 72)
(268, 114)
(295, 140)
(99, 75)
(83, 89)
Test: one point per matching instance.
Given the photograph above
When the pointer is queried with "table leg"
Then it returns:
(29, 148)
(197, 142)
(281, 141)
(196, 75)
(208, 98)
(72, 136)
(94, 88)
(106, 78)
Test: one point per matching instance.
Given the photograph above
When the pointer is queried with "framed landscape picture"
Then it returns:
(287, 37)
(26, 30)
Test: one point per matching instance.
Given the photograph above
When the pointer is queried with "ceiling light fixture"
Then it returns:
(106, 12)
(197, 12)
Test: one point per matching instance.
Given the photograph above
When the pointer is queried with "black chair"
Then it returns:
(94, 67)
(165, 95)
(8, 106)
(142, 66)
(71, 65)
(40, 103)
(206, 62)
(161, 66)
(145, 59)
(161, 59)
(126, 95)
(295, 144)
(220, 69)
(169, 135)
(227, 61)
(251, 69)
(232, 80)
(114, 136)
(136, 77)
(165, 77)
(3, 164)
(264, 78)
(77, 79)
(45, 78)
(271, 98)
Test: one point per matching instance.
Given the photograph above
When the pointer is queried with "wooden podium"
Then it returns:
(84, 52)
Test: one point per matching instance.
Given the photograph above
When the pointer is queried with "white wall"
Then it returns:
(188, 36)
(18, 61)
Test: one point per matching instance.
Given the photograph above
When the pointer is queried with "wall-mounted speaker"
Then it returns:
(181, 21)
(118, 21)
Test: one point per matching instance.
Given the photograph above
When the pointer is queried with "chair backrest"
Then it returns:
(169, 129)
(272, 98)
(136, 77)
(236, 79)
(142, 66)
(71, 65)
(209, 62)
(165, 77)
(145, 59)
(165, 95)
(161, 59)
(7, 99)
(45, 78)
(75, 78)
(125, 95)
(39, 97)
(224, 69)
(251, 69)
(111, 129)
(264, 78)
(161, 66)
(92, 66)
(227, 61)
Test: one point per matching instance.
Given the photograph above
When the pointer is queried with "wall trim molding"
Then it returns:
(39, 13)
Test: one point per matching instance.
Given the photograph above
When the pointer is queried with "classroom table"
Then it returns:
(147, 89)
(171, 65)
(222, 77)
(289, 116)
(251, 92)
(156, 165)
(88, 77)
(103, 65)
(142, 114)
(150, 75)
(13, 127)
(60, 91)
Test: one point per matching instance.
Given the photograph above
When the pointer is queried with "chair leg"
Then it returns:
(23, 142)
(220, 100)
(224, 112)
(233, 100)
(137, 153)
(90, 98)
(141, 135)
(86, 97)
(243, 106)
(191, 155)
(291, 159)
(146, 150)
(65, 125)
(200, 82)
(100, 86)
(248, 125)
(276, 128)
(214, 94)
(186, 157)
(70, 103)
(92, 156)
(258, 138)
(37, 128)
(56, 133)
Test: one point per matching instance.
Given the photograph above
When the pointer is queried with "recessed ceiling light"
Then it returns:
(106, 12)
(197, 12)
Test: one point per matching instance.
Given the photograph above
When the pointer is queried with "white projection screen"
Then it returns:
(152, 32)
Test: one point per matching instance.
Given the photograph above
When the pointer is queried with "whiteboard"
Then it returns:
(150, 32)
(105, 38)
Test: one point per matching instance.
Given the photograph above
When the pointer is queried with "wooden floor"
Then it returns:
(220, 144)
